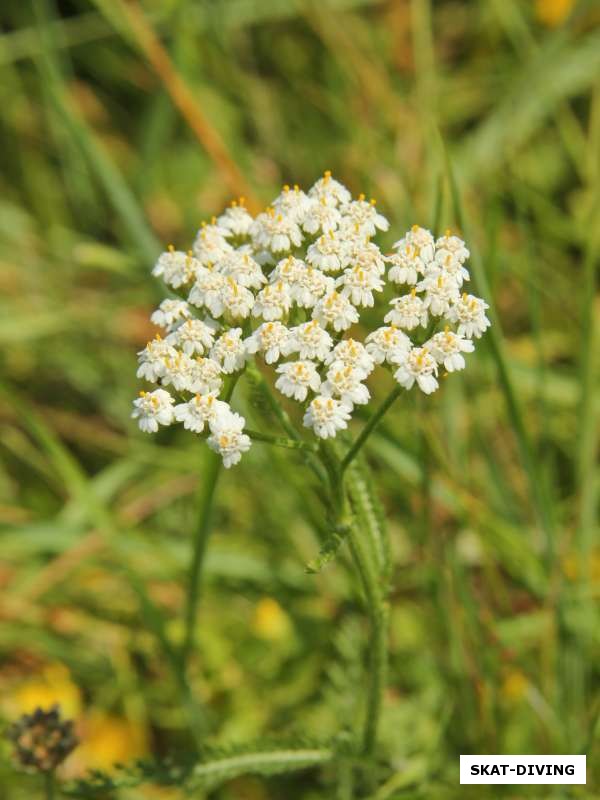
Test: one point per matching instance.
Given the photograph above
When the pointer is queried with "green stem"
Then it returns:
(284, 420)
(281, 441)
(378, 656)
(49, 785)
(365, 560)
(368, 429)
(207, 491)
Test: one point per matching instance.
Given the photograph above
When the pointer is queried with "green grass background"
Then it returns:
(479, 116)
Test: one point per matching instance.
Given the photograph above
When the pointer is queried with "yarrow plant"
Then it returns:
(297, 287)
(289, 287)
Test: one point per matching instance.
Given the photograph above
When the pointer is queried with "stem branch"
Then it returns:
(281, 441)
(369, 427)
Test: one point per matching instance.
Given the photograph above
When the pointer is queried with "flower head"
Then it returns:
(228, 439)
(296, 378)
(229, 351)
(326, 416)
(201, 410)
(235, 220)
(152, 409)
(345, 382)
(469, 312)
(408, 312)
(309, 340)
(176, 268)
(194, 336)
(447, 348)
(335, 310)
(270, 340)
(170, 312)
(285, 287)
(420, 366)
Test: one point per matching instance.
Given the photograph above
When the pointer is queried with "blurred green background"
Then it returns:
(123, 125)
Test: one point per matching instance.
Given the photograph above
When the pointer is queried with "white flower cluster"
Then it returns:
(287, 286)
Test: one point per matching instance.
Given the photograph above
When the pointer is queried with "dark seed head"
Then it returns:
(42, 740)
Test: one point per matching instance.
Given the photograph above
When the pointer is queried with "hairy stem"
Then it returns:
(365, 559)
(207, 491)
(378, 656)
(369, 427)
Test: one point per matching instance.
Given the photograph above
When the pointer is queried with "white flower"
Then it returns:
(152, 409)
(179, 372)
(335, 310)
(272, 302)
(454, 245)
(353, 354)
(287, 270)
(237, 300)
(440, 291)
(447, 348)
(193, 337)
(270, 339)
(230, 351)
(365, 216)
(176, 268)
(227, 438)
(202, 375)
(469, 312)
(292, 203)
(407, 312)
(321, 216)
(447, 264)
(235, 219)
(208, 292)
(387, 344)
(201, 410)
(242, 267)
(311, 285)
(205, 377)
(309, 340)
(152, 359)
(406, 265)
(419, 366)
(296, 378)
(358, 285)
(366, 255)
(328, 253)
(305, 284)
(326, 416)
(333, 191)
(211, 243)
(345, 382)
(170, 312)
(420, 238)
(273, 231)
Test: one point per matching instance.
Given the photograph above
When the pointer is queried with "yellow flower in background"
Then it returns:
(514, 685)
(553, 13)
(270, 621)
(107, 739)
(52, 685)
(571, 566)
